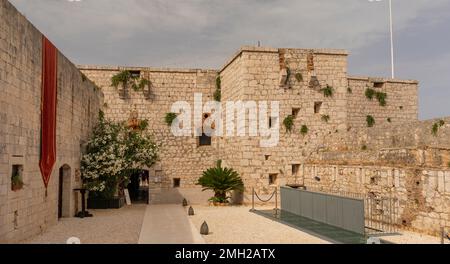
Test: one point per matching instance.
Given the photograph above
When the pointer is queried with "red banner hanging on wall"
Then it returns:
(48, 109)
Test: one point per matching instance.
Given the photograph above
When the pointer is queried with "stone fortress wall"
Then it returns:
(261, 79)
(29, 211)
(344, 151)
(180, 157)
(253, 74)
(399, 156)
(402, 101)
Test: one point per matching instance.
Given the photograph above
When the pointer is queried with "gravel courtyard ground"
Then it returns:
(227, 225)
(120, 226)
(414, 238)
(236, 225)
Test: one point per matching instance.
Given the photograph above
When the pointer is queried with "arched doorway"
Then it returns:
(64, 191)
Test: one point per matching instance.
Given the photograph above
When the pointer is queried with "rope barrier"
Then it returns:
(265, 201)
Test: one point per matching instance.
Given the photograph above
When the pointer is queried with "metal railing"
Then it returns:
(381, 213)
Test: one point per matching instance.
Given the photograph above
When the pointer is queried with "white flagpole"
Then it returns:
(392, 39)
(391, 29)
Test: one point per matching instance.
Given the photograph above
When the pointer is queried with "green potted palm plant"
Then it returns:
(221, 181)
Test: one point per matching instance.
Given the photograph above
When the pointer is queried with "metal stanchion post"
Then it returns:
(253, 199)
(276, 201)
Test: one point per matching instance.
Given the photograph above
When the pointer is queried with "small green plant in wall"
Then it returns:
(218, 93)
(142, 83)
(169, 118)
(288, 76)
(325, 118)
(328, 91)
(299, 77)
(370, 93)
(289, 123)
(437, 126)
(381, 97)
(126, 79)
(364, 147)
(370, 121)
(143, 125)
(304, 130)
(349, 90)
(122, 77)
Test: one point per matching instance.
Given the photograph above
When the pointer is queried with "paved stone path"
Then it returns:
(168, 224)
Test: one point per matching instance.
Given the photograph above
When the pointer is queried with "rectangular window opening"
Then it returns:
(17, 177)
(204, 140)
(295, 169)
(135, 74)
(317, 107)
(273, 179)
(295, 112)
(176, 182)
(378, 84)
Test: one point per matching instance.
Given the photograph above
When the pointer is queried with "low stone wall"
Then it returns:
(423, 193)
(408, 134)
(417, 157)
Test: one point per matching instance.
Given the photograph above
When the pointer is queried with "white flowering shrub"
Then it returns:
(113, 153)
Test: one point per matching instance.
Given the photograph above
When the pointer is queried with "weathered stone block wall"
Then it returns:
(423, 193)
(414, 134)
(402, 102)
(404, 160)
(419, 157)
(180, 157)
(29, 211)
(232, 86)
(254, 75)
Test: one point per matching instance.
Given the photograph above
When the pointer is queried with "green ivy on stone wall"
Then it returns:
(126, 79)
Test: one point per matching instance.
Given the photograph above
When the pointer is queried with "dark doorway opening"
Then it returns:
(64, 192)
(139, 187)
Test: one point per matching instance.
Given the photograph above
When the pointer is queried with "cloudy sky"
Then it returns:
(204, 33)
